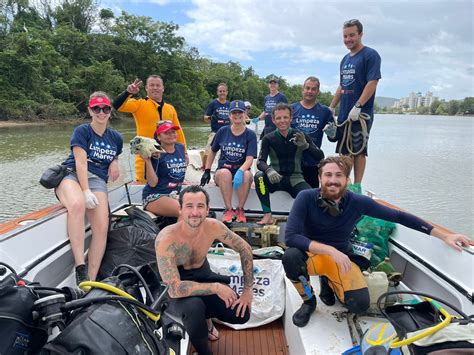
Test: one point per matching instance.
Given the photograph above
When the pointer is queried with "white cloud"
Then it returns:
(422, 43)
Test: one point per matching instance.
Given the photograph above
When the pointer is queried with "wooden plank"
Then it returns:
(265, 340)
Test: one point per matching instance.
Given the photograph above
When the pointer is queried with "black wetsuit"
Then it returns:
(194, 310)
(285, 158)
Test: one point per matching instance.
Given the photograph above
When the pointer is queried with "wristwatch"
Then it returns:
(358, 105)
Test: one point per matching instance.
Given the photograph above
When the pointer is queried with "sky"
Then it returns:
(425, 45)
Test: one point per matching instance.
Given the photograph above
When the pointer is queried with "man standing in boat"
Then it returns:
(147, 113)
(311, 117)
(359, 76)
(197, 293)
(318, 235)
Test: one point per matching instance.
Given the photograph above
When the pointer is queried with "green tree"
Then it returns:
(452, 107)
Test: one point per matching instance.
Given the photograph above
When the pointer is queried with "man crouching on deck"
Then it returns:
(318, 236)
(181, 251)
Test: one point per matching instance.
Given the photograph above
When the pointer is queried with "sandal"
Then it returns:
(213, 334)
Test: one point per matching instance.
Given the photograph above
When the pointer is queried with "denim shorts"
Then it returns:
(96, 184)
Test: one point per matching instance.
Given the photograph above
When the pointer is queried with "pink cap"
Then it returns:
(98, 101)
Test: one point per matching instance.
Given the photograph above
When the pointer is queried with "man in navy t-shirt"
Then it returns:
(217, 113)
(310, 117)
(270, 101)
(318, 234)
(359, 75)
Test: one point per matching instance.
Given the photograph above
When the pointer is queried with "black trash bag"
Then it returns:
(108, 328)
(128, 245)
(137, 218)
(19, 334)
(130, 241)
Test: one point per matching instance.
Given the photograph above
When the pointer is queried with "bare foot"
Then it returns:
(267, 219)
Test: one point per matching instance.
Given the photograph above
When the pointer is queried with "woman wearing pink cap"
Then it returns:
(93, 160)
(165, 174)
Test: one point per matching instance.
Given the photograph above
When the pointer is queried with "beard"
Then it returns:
(194, 221)
(331, 195)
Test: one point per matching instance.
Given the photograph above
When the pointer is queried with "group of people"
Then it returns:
(319, 224)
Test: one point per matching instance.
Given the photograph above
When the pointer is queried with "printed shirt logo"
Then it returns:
(348, 74)
(176, 168)
(270, 104)
(233, 152)
(100, 150)
(222, 114)
(307, 123)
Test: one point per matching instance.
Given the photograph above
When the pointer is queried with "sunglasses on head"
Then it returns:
(164, 122)
(104, 109)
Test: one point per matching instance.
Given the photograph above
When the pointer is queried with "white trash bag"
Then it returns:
(268, 302)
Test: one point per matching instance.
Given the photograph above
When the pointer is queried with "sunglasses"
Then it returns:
(104, 109)
(164, 122)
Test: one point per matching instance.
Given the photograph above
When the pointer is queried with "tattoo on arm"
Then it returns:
(246, 258)
(167, 266)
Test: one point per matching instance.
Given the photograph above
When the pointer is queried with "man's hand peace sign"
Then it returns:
(134, 87)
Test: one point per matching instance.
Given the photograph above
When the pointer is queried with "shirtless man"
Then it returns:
(196, 293)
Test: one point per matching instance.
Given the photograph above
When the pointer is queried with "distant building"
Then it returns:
(415, 100)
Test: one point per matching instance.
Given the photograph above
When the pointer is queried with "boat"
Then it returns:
(37, 247)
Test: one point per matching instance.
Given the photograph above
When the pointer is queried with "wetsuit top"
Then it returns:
(219, 113)
(285, 156)
(146, 113)
(356, 72)
(100, 150)
(268, 104)
(170, 169)
(234, 149)
(308, 221)
(311, 122)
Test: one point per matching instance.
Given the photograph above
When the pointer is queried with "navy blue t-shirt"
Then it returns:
(100, 150)
(234, 149)
(307, 221)
(219, 114)
(356, 72)
(170, 168)
(311, 122)
(268, 104)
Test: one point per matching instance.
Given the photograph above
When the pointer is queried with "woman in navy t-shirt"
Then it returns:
(238, 146)
(165, 174)
(93, 160)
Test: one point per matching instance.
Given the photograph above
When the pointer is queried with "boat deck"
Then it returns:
(268, 339)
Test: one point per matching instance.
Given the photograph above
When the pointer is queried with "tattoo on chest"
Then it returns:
(183, 253)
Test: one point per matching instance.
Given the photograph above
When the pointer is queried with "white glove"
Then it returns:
(330, 129)
(354, 114)
(273, 176)
(91, 199)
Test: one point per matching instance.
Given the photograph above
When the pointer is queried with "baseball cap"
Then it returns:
(237, 105)
(248, 104)
(99, 100)
(272, 78)
(164, 126)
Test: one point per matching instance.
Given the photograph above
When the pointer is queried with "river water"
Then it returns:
(423, 164)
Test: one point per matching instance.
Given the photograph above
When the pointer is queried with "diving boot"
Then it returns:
(327, 294)
(303, 314)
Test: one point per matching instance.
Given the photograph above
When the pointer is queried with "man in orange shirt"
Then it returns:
(147, 113)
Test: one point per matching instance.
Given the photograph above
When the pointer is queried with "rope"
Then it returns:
(347, 136)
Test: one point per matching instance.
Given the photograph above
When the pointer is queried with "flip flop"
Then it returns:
(213, 334)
